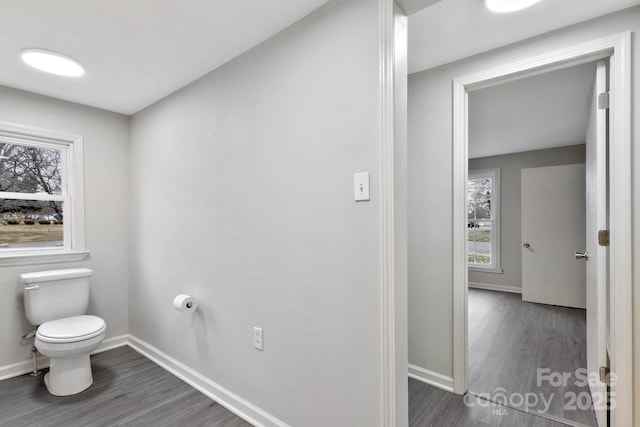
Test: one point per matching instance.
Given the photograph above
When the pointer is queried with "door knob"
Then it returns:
(526, 245)
(582, 255)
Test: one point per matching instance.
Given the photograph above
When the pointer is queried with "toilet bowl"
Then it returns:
(57, 300)
(67, 342)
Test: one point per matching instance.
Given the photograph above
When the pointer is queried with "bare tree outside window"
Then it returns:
(31, 170)
(479, 220)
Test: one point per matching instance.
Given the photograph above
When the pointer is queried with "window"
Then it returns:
(483, 220)
(41, 196)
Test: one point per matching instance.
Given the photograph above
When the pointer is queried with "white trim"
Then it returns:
(389, 372)
(618, 49)
(430, 377)
(21, 368)
(18, 133)
(111, 343)
(73, 195)
(491, 287)
(45, 197)
(234, 403)
(26, 366)
(35, 256)
(563, 58)
(460, 250)
(76, 190)
(486, 270)
(621, 226)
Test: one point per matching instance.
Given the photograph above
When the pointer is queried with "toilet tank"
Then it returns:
(55, 294)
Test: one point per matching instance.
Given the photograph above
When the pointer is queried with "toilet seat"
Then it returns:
(71, 329)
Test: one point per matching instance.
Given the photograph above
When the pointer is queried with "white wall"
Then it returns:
(430, 184)
(538, 112)
(511, 166)
(107, 213)
(242, 193)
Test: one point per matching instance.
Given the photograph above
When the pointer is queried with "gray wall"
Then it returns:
(430, 184)
(106, 170)
(510, 212)
(243, 197)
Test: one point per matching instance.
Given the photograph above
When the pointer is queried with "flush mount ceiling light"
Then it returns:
(506, 6)
(52, 62)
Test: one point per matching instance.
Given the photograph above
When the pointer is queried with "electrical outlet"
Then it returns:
(257, 338)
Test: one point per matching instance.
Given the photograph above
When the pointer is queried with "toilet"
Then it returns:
(57, 301)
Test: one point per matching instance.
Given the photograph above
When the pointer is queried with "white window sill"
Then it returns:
(40, 257)
(486, 270)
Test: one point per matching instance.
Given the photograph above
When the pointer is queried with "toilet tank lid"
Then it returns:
(51, 275)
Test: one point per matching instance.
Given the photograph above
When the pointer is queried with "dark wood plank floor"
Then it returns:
(509, 340)
(128, 390)
(430, 406)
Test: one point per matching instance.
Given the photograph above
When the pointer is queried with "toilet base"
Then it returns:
(69, 375)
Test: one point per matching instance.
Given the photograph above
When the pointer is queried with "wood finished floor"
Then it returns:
(510, 339)
(431, 407)
(128, 390)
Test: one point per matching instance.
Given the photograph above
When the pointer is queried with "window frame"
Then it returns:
(495, 266)
(74, 247)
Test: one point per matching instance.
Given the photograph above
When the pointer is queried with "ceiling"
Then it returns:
(412, 6)
(454, 29)
(137, 52)
(543, 111)
(134, 52)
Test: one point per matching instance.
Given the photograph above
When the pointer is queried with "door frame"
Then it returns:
(393, 62)
(618, 49)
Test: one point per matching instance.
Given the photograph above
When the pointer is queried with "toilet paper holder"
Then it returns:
(185, 303)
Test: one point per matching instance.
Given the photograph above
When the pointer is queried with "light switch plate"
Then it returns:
(361, 186)
(257, 338)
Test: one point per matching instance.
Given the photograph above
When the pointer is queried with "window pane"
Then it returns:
(479, 196)
(25, 169)
(480, 218)
(471, 235)
(471, 199)
(479, 237)
(30, 224)
(483, 243)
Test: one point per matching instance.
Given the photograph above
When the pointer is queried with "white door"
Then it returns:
(553, 224)
(597, 261)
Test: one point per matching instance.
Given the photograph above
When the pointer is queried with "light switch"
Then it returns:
(257, 338)
(361, 186)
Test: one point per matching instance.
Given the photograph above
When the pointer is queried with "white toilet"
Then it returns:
(57, 300)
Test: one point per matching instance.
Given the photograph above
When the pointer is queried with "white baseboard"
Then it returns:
(430, 377)
(236, 404)
(490, 287)
(26, 366)
(21, 368)
(111, 343)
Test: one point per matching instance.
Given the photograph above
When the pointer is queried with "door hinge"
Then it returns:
(603, 237)
(603, 101)
(605, 376)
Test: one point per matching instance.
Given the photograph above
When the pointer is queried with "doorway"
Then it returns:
(616, 48)
(526, 219)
